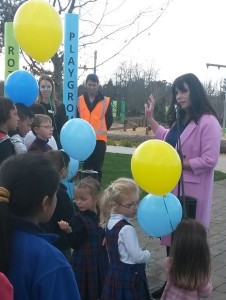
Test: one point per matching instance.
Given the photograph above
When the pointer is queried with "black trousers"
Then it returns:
(96, 159)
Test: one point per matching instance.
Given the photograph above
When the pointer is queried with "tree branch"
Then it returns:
(135, 36)
(97, 24)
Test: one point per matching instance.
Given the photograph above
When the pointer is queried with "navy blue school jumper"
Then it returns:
(89, 259)
(123, 281)
(37, 270)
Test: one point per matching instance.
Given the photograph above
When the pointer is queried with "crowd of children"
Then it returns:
(52, 249)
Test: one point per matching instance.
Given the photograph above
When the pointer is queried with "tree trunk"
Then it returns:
(58, 74)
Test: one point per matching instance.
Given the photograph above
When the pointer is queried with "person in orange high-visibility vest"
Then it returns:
(95, 109)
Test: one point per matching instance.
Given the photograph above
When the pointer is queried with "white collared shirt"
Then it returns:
(128, 245)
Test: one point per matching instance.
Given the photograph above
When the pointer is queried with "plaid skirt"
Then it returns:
(125, 281)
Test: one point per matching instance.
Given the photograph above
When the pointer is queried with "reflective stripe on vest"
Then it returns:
(97, 117)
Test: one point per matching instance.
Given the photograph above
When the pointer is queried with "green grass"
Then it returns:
(118, 165)
(218, 175)
(115, 166)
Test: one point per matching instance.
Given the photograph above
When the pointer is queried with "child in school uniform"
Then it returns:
(188, 266)
(126, 278)
(37, 108)
(89, 259)
(64, 207)
(24, 126)
(36, 269)
(43, 130)
(8, 121)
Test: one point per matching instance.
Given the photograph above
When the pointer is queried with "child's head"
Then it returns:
(87, 194)
(120, 197)
(8, 115)
(26, 116)
(28, 189)
(42, 127)
(190, 255)
(60, 160)
(38, 108)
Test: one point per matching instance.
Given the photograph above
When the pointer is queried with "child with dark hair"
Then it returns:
(188, 266)
(64, 208)
(43, 130)
(36, 269)
(8, 121)
(89, 260)
(26, 116)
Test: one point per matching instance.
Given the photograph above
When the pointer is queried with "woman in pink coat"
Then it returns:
(200, 136)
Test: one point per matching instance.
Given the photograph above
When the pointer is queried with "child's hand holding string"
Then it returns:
(65, 226)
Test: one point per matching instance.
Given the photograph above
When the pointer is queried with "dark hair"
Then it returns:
(190, 255)
(38, 119)
(90, 184)
(200, 103)
(6, 105)
(38, 108)
(24, 112)
(29, 178)
(93, 78)
(60, 159)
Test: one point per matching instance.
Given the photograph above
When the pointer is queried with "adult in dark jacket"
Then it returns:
(96, 109)
(54, 108)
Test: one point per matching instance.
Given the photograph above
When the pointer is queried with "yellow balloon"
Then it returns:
(156, 167)
(38, 29)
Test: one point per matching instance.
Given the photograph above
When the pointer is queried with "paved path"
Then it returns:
(217, 238)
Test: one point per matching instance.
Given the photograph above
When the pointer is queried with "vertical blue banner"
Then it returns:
(70, 83)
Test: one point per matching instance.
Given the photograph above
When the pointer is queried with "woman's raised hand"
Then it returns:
(149, 107)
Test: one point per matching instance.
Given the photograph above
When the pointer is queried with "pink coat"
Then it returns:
(200, 144)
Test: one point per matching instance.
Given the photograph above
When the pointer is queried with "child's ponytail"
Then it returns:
(105, 205)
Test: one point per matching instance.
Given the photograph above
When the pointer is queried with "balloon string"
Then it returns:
(146, 248)
(54, 124)
(168, 213)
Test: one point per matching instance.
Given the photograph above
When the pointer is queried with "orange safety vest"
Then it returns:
(97, 117)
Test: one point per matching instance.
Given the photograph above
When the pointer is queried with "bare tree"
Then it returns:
(94, 28)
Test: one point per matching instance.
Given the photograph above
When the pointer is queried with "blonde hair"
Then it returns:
(38, 120)
(94, 189)
(53, 100)
(90, 184)
(117, 192)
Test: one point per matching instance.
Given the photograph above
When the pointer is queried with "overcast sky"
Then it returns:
(189, 34)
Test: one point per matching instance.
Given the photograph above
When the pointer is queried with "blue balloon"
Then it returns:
(78, 139)
(72, 171)
(21, 87)
(159, 215)
(72, 168)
